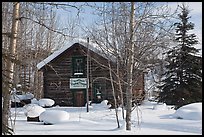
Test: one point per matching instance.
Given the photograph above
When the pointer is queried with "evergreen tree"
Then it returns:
(182, 83)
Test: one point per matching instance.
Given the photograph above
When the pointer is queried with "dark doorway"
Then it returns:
(79, 99)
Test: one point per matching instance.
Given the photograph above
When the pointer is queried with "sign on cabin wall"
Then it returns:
(78, 83)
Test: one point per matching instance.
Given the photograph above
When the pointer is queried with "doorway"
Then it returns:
(79, 99)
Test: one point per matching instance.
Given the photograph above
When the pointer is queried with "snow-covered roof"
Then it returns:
(92, 46)
(52, 56)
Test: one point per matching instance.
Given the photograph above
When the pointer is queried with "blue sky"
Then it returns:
(195, 12)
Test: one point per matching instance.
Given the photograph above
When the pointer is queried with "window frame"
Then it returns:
(77, 70)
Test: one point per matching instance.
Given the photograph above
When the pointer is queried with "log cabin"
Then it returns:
(65, 76)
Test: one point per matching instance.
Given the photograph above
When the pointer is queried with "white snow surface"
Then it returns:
(160, 106)
(191, 111)
(18, 98)
(33, 110)
(104, 104)
(102, 121)
(46, 102)
(54, 116)
(34, 101)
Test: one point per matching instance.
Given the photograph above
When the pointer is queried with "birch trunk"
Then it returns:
(114, 94)
(130, 69)
(10, 69)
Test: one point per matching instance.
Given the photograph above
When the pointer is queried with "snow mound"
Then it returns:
(105, 104)
(33, 110)
(191, 111)
(90, 106)
(46, 102)
(148, 103)
(160, 106)
(34, 101)
(18, 98)
(53, 116)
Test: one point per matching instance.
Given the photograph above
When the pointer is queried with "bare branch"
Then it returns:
(42, 24)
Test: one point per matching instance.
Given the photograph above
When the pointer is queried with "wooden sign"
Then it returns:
(78, 83)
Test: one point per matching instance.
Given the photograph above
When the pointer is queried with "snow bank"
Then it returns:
(100, 106)
(90, 106)
(34, 101)
(46, 102)
(18, 98)
(105, 104)
(53, 116)
(33, 110)
(160, 106)
(191, 112)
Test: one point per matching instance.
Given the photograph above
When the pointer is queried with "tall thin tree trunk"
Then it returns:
(130, 69)
(114, 94)
(10, 69)
(117, 53)
(120, 90)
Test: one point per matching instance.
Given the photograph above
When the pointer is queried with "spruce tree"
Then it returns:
(182, 83)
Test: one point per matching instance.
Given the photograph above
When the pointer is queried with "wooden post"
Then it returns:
(87, 77)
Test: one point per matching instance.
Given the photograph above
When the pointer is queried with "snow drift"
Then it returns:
(33, 110)
(46, 102)
(54, 116)
(191, 112)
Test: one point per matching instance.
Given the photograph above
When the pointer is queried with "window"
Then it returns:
(98, 88)
(78, 66)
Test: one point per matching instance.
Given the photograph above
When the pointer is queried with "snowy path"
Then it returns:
(102, 122)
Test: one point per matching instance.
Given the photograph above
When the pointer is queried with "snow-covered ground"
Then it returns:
(151, 119)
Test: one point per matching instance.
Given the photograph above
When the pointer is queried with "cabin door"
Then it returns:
(79, 99)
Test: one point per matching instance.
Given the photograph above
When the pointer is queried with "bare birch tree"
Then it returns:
(130, 64)
(37, 37)
(133, 39)
(8, 81)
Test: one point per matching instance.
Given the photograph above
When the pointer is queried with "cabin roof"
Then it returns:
(61, 50)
